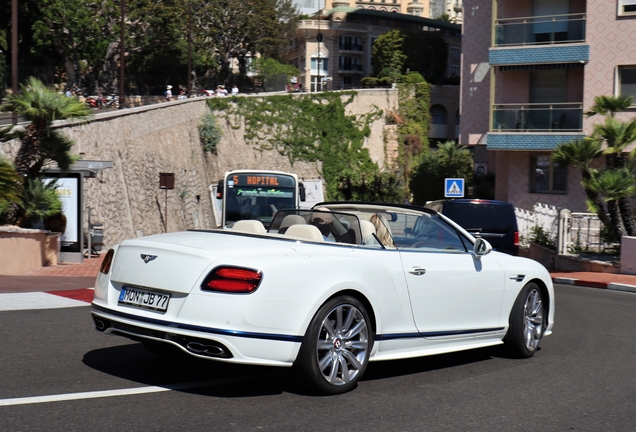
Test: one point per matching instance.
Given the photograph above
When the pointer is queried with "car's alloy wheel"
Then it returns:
(527, 322)
(336, 348)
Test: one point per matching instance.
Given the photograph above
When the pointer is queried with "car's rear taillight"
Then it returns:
(108, 260)
(232, 280)
(516, 238)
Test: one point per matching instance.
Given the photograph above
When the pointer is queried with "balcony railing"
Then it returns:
(350, 68)
(350, 47)
(557, 117)
(539, 30)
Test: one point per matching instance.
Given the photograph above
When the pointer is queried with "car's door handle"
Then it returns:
(417, 271)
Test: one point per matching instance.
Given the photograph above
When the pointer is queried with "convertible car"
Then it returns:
(325, 291)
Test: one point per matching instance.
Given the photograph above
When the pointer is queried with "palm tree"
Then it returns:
(10, 185)
(40, 143)
(580, 154)
(614, 185)
(617, 136)
(609, 105)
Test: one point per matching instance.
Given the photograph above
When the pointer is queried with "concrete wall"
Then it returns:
(145, 141)
(23, 250)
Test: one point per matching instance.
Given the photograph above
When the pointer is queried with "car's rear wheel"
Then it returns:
(336, 348)
(527, 322)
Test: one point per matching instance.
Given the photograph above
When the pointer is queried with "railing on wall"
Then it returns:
(570, 232)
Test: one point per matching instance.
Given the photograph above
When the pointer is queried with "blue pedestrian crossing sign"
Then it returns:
(454, 188)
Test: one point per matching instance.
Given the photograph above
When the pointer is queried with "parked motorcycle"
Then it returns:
(110, 101)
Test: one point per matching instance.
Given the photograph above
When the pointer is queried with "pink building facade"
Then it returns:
(530, 70)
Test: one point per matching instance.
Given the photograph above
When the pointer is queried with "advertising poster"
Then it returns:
(69, 191)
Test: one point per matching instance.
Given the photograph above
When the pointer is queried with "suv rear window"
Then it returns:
(490, 218)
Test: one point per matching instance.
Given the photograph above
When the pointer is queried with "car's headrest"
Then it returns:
(367, 228)
(250, 226)
(292, 220)
(308, 232)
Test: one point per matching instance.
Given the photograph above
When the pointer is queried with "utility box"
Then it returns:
(166, 180)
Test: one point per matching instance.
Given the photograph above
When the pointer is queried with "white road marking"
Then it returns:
(78, 396)
(36, 300)
(126, 392)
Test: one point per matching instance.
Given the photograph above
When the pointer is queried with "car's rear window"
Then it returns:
(480, 217)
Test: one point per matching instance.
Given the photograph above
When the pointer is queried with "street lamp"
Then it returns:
(319, 40)
(14, 53)
(189, 49)
(121, 56)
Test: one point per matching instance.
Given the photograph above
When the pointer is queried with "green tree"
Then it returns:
(236, 29)
(388, 54)
(268, 67)
(276, 45)
(72, 30)
(449, 161)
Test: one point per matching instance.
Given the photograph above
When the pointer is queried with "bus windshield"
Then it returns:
(259, 197)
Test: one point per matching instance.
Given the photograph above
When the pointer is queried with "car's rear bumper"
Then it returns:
(202, 342)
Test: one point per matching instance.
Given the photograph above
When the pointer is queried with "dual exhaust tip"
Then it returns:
(198, 348)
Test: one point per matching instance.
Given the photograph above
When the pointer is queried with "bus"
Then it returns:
(256, 194)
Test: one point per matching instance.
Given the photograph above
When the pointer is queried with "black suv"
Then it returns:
(492, 220)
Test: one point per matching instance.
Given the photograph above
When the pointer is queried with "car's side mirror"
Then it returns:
(481, 247)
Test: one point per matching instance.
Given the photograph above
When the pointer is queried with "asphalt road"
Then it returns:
(581, 380)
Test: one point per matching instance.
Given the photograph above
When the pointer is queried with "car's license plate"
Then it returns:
(144, 299)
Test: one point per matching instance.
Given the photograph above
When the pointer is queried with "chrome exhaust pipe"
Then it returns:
(100, 325)
(209, 350)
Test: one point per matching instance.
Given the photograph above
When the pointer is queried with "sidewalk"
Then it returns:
(61, 277)
(611, 281)
(76, 276)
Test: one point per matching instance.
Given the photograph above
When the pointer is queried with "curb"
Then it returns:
(594, 284)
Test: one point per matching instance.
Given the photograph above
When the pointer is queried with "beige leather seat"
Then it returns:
(249, 226)
(306, 232)
(290, 220)
(368, 230)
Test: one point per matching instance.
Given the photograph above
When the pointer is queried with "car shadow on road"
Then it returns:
(181, 372)
(184, 373)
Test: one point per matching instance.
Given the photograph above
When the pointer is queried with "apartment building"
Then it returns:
(423, 8)
(530, 70)
(333, 49)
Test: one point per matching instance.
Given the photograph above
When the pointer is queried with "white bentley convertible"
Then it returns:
(325, 291)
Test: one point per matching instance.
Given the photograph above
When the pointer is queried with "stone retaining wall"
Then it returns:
(145, 141)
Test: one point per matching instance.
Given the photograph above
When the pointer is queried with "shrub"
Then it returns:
(369, 81)
(209, 133)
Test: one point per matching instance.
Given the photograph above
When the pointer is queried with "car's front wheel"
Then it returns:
(527, 322)
(336, 348)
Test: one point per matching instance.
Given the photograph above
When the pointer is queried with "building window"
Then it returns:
(627, 7)
(349, 43)
(627, 81)
(438, 115)
(455, 52)
(322, 64)
(547, 176)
